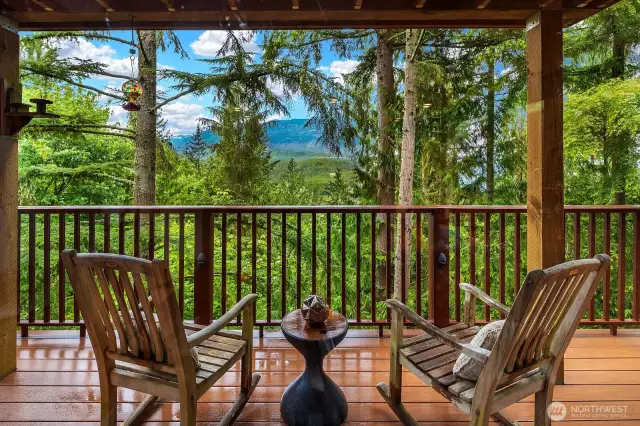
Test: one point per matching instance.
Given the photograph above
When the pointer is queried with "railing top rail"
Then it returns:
(319, 209)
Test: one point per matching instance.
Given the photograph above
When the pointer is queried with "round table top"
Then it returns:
(295, 325)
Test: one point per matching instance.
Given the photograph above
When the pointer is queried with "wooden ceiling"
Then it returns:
(286, 14)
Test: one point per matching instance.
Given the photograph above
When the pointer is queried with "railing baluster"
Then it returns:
(592, 252)
(181, 263)
(223, 266)
(254, 257)
(76, 246)
(403, 258)
(106, 233)
(576, 236)
(606, 303)
(343, 264)
(358, 266)
(373, 267)
(299, 260)
(152, 237)
(167, 238)
(121, 233)
(516, 254)
(501, 272)
(19, 267)
(622, 276)
(136, 235)
(62, 293)
(92, 233)
(283, 270)
(32, 268)
(238, 261)
(329, 270)
(487, 262)
(418, 263)
(314, 261)
(389, 265)
(457, 267)
(636, 267)
(472, 248)
(47, 268)
(268, 267)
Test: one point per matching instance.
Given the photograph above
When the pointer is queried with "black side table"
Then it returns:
(313, 399)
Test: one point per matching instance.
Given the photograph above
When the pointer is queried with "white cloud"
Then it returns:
(274, 117)
(210, 42)
(118, 115)
(182, 118)
(338, 69)
(103, 53)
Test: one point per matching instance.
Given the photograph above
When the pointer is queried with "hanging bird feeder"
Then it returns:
(132, 91)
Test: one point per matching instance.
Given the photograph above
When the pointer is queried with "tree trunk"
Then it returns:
(385, 194)
(405, 196)
(619, 57)
(490, 130)
(144, 188)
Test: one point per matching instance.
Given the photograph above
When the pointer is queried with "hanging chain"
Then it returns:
(132, 50)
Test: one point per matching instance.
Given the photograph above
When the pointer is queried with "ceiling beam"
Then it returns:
(167, 3)
(106, 6)
(358, 5)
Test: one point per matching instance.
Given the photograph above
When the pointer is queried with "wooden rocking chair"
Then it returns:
(140, 342)
(525, 358)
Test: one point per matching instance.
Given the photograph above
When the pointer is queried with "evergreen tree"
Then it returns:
(197, 149)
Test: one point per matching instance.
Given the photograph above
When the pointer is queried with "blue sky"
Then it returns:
(181, 115)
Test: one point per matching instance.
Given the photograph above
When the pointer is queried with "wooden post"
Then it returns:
(9, 58)
(203, 275)
(438, 269)
(545, 181)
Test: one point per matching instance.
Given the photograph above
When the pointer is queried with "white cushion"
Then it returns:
(468, 368)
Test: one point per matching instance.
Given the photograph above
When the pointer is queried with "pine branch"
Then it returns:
(173, 98)
(81, 126)
(74, 83)
(93, 132)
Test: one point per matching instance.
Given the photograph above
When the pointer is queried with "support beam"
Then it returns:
(545, 180)
(9, 57)
(438, 267)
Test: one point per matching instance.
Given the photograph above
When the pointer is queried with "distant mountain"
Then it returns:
(286, 139)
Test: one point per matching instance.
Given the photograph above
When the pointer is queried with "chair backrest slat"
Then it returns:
(550, 302)
(120, 295)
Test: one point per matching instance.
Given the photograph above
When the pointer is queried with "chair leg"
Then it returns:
(504, 419)
(108, 405)
(134, 418)
(543, 399)
(241, 401)
(188, 411)
(396, 406)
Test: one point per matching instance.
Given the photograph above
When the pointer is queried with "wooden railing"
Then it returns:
(346, 254)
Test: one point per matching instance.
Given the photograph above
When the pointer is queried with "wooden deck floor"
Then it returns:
(57, 383)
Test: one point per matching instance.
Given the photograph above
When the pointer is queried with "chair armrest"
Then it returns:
(488, 300)
(475, 352)
(217, 325)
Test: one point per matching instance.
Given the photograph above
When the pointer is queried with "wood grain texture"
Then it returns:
(355, 367)
(8, 215)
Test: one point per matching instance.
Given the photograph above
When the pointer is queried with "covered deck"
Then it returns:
(56, 382)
